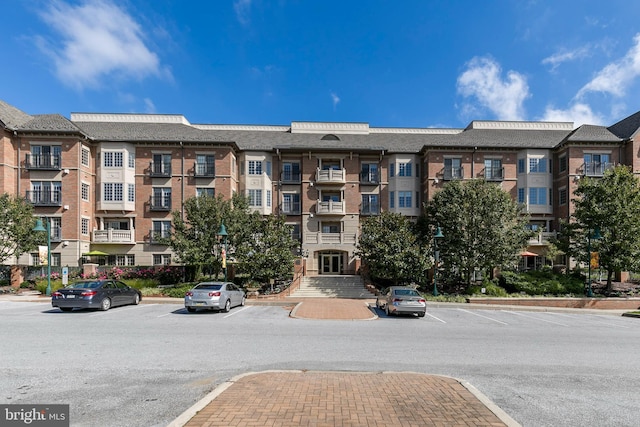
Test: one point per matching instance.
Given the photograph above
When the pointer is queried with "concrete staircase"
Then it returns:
(324, 286)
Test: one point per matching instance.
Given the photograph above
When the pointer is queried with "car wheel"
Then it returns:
(191, 309)
(227, 306)
(65, 308)
(136, 299)
(105, 304)
(244, 300)
(421, 314)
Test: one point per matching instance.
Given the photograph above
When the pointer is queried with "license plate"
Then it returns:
(70, 296)
(198, 303)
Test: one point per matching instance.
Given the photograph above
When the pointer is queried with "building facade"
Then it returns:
(110, 182)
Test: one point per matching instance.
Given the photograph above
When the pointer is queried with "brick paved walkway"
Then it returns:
(297, 398)
(334, 309)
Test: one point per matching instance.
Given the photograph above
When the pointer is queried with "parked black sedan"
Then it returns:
(102, 294)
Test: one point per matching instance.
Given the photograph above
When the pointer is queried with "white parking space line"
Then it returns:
(434, 317)
(484, 317)
(534, 318)
(237, 311)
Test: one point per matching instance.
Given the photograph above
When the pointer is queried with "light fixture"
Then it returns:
(39, 228)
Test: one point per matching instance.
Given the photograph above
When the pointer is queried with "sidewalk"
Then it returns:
(309, 398)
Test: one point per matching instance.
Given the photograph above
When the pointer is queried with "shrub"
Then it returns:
(541, 283)
(491, 289)
(176, 292)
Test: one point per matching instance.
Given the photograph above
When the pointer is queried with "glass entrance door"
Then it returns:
(331, 263)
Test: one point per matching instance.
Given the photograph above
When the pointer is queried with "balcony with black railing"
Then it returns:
(159, 237)
(494, 174)
(596, 168)
(291, 208)
(370, 178)
(160, 169)
(452, 173)
(204, 170)
(290, 177)
(160, 203)
(42, 162)
(372, 209)
(45, 197)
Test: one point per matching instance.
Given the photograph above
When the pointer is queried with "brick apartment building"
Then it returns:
(109, 182)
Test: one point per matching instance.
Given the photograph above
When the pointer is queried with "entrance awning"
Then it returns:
(95, 253)
(527, 253)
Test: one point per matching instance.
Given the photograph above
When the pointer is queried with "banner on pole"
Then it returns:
(43, 254)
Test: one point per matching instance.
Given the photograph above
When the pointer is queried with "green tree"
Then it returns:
(267, 253)
(483, 228)
(390, 249)
(610, 204)
(261, 246)
(16, 227)
(194, 238)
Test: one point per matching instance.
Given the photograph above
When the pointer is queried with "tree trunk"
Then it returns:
(609, 283)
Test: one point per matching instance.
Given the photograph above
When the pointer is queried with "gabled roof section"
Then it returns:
(626, 128)
(48, 123)
(591, 133)
(11, 117)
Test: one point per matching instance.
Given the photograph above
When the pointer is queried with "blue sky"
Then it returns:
(409, 63)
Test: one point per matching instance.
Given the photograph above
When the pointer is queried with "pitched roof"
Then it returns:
(144, 132)
(11, 117)
(591, 133)
(625, 128)
(48, 123)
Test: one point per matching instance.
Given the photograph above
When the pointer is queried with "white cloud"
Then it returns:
(335, 99)
(150, 107)
(579, 113)
(98, 40)
(483, 81)
(616, 77)
(242, 9)
(565, 56)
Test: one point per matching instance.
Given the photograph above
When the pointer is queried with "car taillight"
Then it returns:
(189, 294)
(88, 293)
(214, 294)
(56, 294)
(422, 300)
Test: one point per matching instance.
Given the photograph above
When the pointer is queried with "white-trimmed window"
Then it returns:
(538, 195)
(84, 226)
(291, 203)
(131, 192)
(255, 198)
(132, 160)
(112, 192)
(112, 159)
(268, 198)
(161, 229)
(404, 199)
(404, 169)
(85, 191)
(86, 156)
(255, 167)
(537, 165)
(161, 259)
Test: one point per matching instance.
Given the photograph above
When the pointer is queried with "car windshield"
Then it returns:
(407, 292)
(85, 285)
(212, 286)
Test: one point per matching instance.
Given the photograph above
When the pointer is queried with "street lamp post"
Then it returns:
(436, 258)
(596, 236)
(223, 234)
(40, 227)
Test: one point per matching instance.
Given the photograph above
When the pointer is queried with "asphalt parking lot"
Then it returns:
(153, 361)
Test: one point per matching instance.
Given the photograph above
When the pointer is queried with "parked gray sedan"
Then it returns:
(400, 299)
(214, 296)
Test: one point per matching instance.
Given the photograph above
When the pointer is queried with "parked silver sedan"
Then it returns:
(214, 296)
(400, 299)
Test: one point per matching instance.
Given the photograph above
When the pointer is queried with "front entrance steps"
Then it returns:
(325, 286)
